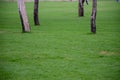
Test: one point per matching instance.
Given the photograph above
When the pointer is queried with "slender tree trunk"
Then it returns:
(93, 16)
(80, 7)
(23, 16)
(36, 20)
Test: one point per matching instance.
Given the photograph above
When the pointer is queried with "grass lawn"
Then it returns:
(62, 47)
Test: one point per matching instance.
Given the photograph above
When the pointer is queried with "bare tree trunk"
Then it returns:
(93, 16)
(81, 7)
(36, 20)
(23, 16)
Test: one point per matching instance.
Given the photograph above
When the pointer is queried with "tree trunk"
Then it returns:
(23, 16)
(36, 20)
(93, 16)
(80, 8)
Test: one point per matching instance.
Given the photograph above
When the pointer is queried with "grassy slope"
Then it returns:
(62, 48)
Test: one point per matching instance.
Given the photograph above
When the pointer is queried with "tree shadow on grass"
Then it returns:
(90, 33)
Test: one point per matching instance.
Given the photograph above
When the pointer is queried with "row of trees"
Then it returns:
(23, 15)
(93, 15)
(24, 19)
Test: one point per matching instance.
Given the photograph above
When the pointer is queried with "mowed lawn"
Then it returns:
(62, 47)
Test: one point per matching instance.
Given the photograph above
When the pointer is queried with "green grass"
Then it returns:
(62, 47)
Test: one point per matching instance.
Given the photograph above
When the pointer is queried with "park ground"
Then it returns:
(62, 47)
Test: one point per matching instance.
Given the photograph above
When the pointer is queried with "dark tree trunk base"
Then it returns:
(80, 8)
(93, 30)
(36, 19)
(93, 17)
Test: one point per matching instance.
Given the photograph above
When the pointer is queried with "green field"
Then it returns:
(62, 47)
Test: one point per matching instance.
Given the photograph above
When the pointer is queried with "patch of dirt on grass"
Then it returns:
(109, 53)
(2, 31)
(68, 58)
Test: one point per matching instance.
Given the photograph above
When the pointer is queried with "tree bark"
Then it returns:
(36, 19)
(81, 7)
(93, 16)
(23, 16)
